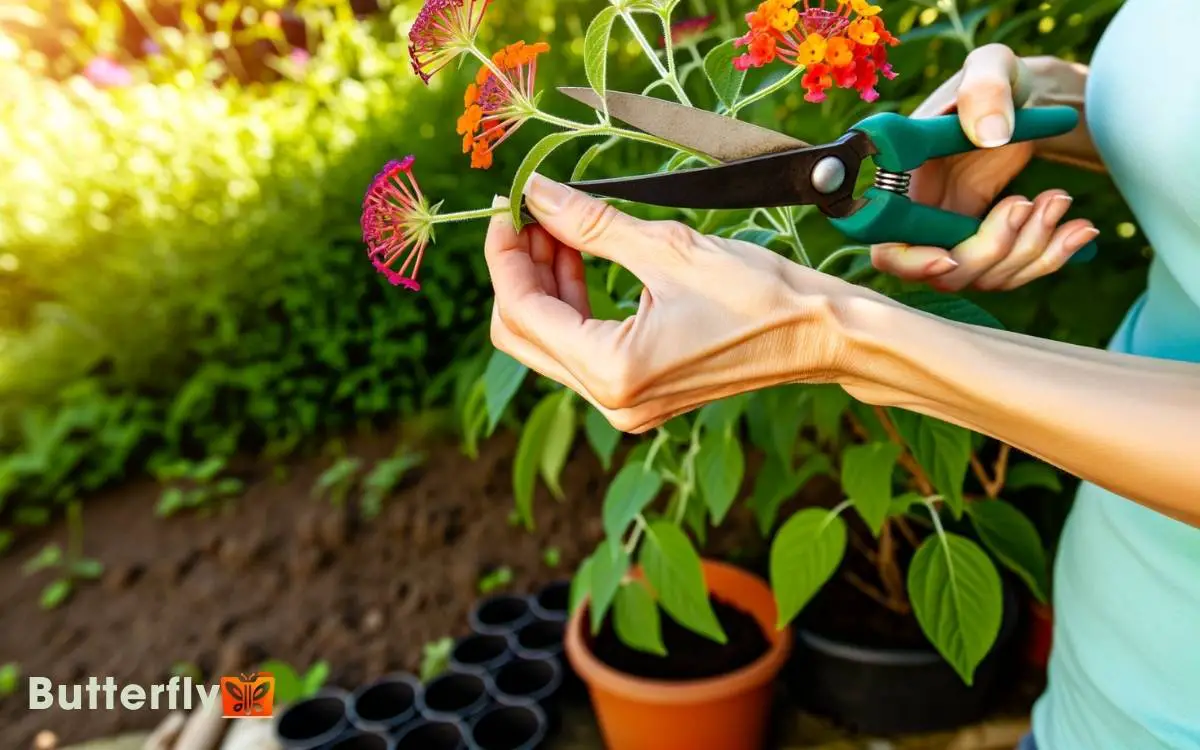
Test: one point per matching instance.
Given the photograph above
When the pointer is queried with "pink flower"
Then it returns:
(299, 57)
(443, 30)
(105, 73)
(397, 223)
(687, 31)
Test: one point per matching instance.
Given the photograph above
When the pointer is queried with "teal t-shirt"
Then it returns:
(1125, 669)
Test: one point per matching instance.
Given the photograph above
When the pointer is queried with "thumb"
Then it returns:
(590, 225)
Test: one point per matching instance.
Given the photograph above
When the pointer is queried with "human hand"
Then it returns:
(717, 317)
(1020, 240)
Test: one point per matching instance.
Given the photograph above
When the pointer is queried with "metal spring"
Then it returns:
(895, 182)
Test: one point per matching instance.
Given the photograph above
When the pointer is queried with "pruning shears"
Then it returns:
(763, 168)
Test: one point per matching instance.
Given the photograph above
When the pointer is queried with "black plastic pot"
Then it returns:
(552, 602)
(525, 681)
(385, 705)
(424, 734)
(500, 615)
(455, 696)
(509, 728)
(540, 639)
(481, 652)
(313, 722)
(884, 692)
(361, 741)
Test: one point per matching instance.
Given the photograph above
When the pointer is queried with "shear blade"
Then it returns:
(715, 135)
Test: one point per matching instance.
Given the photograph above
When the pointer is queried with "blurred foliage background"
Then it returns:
(181, 270)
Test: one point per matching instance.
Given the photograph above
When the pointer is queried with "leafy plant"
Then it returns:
(71, 566)
(10, 679)
(552, 557)
(495, 580)
(291, 684)
(435, 658)
(385, 477)
(194, 485)
(338, 480)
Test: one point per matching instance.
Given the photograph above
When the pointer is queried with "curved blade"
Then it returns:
(718, 136)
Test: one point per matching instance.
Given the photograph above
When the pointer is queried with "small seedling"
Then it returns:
(338, 480)
(71, 565)
(290, 684)
(497, 579)
(194, 485)
(10, 678)
(384, 477)
(435, 658)
(552, 557)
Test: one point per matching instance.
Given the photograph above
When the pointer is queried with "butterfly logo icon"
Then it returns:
(250, 695)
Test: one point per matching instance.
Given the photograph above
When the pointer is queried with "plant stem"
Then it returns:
(924, 486)
(889, 570)
(663, 72)
(74, 533)
(479, 213)
(793, 237)
(837, 255)
(764, 92)
(612, 130)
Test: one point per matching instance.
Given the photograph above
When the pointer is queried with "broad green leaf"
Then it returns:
(581, 584)
(949, 307)
(829, 403)
(1014, 540)
(595, 49)
(719, 416)
(1032, 474)
(631, 491)
(528, 460)
(673, 568)
(288, 686)
(726, 80)
(806, 552)
(761, 237)
(720, 467)
(902, 504)
(560, 435)
(942, 449)
(774, 418)
(636, 619)
(610, 563)
(957, 597)
(775, 485)
(695, 515)
(533, 159)
(602, 436)
(501, 380)
(867, 480)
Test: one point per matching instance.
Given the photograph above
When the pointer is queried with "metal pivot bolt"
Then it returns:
(828, 175)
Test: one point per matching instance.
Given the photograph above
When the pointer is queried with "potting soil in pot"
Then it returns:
(690, 656)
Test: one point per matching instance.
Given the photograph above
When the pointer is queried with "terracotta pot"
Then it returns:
(1040, 636)
(729, 712)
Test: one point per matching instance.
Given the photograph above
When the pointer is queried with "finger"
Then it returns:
(994, 82)
(541, 250)
(528, 354)
(1067, 240)
(912, 262)
(942, 100)
(572, 283)
(989, 246)
(1031, 241)
(592, 226)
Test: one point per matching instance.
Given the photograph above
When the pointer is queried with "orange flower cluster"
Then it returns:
(497, 101)
(845, 46)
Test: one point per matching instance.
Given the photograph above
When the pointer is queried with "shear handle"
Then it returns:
(905, 143)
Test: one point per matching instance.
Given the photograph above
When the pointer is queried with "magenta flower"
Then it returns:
(105, 73)
(397, 223)
(443, 30)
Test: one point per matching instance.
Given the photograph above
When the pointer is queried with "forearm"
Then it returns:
(1129, 424)
(1054, 81)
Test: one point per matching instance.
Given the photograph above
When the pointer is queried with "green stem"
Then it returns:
(479, 213)
(636, 536)
(960, 30)
(766, 91)
(793, 238)
(74, 534)
(841, 253)
(666, 75)
(612, 130)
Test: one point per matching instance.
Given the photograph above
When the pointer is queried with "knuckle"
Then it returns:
(678, 237)
(615, 387)
(596, 219)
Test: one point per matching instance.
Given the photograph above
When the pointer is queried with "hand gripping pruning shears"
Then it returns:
(762, 168)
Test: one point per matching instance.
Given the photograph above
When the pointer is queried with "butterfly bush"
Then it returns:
(843, 45)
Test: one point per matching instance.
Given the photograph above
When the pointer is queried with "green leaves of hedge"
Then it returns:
(957, 598)
(806, 552)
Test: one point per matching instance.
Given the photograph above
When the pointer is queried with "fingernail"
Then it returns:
(1056, 209)
(993, 130)
(499, 201)
(1081, 237)
(545, 194)
(1018, 214)
(942, 265)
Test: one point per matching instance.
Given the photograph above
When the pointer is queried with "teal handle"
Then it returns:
(905, 143)
(891, 217)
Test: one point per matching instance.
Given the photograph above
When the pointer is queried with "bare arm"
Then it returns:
(1129, 424)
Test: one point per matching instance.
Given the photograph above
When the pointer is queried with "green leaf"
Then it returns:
(719, 416)
(957, 597)
(1014, 540)
(602, 436)
(720, 467)
(950, 307)
(49, 556)
(867, 480)
(761, 237)
(806, 552)
(726, 80)
(10, 678)
(533, 159)
(829, 403)
(586, 160)
(674, 570)
(595, 49)
(581, 584)
(560, 436)
(501, 380)
(775, 485)
(610, 563)
(288, 685)
(1032, 474)
(631, 491)
(942, 449)
(901, 505)
(88, 568)
(636, 619)
(315, 678)
(528, 460)
(55, 593)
